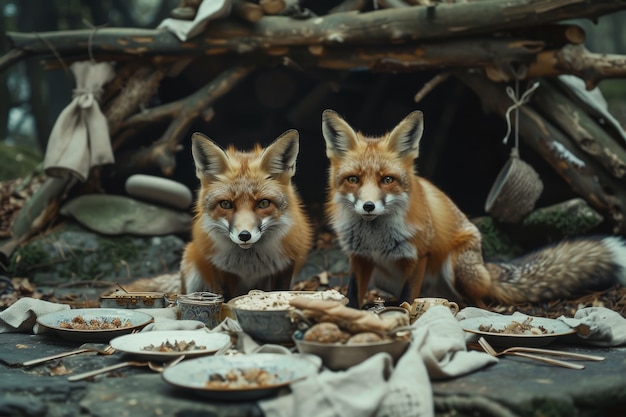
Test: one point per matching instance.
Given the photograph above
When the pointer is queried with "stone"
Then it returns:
(159, 190)
(117, 215)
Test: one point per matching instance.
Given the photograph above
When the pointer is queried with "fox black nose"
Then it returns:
(244, 236)
(369, 206)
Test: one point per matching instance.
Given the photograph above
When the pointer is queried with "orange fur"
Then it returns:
(389, 219)
(250, 230)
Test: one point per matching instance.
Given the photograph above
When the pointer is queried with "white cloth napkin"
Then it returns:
(598, 326)
(377, 388)
(21, 316)
(208, 10)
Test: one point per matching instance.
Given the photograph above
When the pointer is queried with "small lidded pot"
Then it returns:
(202, 306)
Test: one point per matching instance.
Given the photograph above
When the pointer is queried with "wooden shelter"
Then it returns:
(165, 87)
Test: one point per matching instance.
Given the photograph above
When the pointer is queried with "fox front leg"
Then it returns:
(362, 269)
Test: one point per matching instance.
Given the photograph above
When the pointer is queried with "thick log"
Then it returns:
(584, 175)
(578, 125)
(381, 27)
(461, 53)
(247, 10)
(577, 60)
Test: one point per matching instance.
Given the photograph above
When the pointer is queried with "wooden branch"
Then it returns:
(247, 10)
(577, 60)
(138, 89)
(184, 112)
(578, 125)
(601, 190)
(382, 27)
(463, 53)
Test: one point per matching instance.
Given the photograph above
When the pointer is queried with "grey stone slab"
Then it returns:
(513, 387)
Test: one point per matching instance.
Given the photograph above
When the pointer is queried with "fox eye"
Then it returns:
(225, 204)
(388, 179)
(352, 179)
(263, 204)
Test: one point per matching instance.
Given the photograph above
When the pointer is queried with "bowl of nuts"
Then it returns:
(343, 337)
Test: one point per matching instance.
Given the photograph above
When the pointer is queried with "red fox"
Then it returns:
(250, 230)
(389, 219)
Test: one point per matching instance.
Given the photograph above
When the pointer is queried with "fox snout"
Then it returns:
(244, 229)
(368, 209)
(369, 202)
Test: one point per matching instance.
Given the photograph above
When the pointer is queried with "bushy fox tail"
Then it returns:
(565, 270)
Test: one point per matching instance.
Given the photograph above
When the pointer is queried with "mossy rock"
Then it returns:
(72, 254)
(497, 245)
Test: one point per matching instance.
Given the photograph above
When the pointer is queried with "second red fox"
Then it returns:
(389, 219)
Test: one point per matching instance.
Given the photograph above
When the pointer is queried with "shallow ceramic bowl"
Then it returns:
(54, 322)
(269, 325)
(193, 375)
(337, 356)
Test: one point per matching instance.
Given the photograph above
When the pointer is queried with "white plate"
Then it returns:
(53, 322)
(554, 328)
(194, 374)
(135, 343)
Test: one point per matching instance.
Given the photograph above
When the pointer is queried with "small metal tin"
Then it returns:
(121, 299)
(202, 306)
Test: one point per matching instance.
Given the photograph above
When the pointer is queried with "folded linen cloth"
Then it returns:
(376, 388)
(208, 10)
(21, 316)
(245, 343)
(597, 326)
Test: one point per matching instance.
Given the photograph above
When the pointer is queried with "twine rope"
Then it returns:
(517, 103)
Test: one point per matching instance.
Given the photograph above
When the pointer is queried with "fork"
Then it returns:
(109, 368)
(153, 365)
(87, 347)
(490, 350)
(571, 355)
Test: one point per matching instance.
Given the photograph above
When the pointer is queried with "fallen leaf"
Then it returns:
(58, 369)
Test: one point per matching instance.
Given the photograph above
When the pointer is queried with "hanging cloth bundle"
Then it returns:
(80, 137)
(517, 187)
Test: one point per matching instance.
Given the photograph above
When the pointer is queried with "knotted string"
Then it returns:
(517, 103)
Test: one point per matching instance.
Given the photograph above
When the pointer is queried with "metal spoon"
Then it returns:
(155, 366)
(102, 349)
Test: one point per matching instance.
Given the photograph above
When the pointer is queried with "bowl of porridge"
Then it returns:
(264, 314)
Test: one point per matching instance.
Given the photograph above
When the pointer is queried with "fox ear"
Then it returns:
(210, 159)
(405, 137)
(280, 157)
(338, 134)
